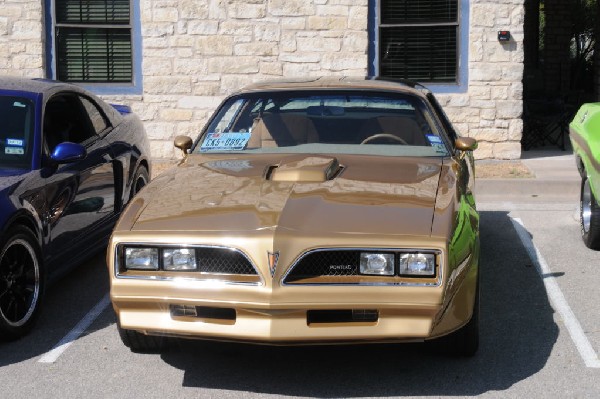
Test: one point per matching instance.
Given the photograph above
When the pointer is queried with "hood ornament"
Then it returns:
(272, 257)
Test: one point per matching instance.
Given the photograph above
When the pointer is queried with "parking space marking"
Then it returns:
(88, 319)
(557, 299)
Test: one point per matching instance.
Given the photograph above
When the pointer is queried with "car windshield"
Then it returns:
(333, 122)
(16, 132)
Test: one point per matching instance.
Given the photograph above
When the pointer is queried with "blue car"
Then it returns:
(69, 163)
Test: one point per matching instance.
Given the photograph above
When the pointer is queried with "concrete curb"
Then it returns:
(503, 188)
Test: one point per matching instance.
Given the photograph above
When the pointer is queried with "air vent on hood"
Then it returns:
(310, 169)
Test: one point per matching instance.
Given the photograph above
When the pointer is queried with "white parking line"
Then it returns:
(88, 319)
(557, 298)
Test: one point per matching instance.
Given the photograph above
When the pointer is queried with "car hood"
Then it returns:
(309, 193)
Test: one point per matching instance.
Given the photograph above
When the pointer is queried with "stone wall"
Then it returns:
(491, 109)
(21, 38)
(197, 52)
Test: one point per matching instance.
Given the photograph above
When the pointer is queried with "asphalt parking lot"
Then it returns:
(540, 334)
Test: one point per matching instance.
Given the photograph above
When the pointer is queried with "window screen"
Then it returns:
(418, 40)
(93, 41)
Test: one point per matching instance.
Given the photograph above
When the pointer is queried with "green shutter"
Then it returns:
(419, 53)
(92, 12)
(94, 55)
(93, 41)
(418, 11)
(418, 40)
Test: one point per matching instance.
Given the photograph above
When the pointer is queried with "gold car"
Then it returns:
(316, 211)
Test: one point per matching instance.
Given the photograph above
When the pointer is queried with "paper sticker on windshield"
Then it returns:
(14, 150)
(437, 143)
(433, 139)
(15, 142)
(225, 141)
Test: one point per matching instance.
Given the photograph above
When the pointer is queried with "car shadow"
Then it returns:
(66, 302)
(517, 336)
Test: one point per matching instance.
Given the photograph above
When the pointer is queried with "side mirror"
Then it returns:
(68, 152)
(184, 143)
(465, 144)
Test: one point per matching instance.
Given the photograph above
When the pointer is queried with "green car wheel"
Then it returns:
(589, 216)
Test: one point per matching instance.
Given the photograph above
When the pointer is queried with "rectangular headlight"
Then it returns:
(179, 259)
(417, 264)
(141, 258)
(377, 264)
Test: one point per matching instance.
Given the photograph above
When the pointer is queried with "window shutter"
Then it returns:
(100, 51)
(92, 11)
(418, 40)
(419, 53)
(418, 11)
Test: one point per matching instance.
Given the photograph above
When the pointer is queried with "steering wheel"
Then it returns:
(384, 136)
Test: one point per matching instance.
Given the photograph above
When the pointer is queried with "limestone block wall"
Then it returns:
(21, 38)
(197, 52)
(491, 109)
(194, 53)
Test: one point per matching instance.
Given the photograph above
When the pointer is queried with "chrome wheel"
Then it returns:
(589, 216)
(19, 282)
(586, 206)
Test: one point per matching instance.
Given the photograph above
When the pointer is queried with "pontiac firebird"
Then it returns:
(330, 210)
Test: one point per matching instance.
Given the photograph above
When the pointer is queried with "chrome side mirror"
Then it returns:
(465, 144)
(184, 143)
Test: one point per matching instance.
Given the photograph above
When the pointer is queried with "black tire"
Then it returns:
(21, 283)
(589, 216)
(580, 167)
(140, 179)
(139, 342)
(463, 342)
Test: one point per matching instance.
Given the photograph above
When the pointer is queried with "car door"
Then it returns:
(80, 195)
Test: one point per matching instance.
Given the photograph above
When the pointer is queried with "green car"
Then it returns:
(585, 138)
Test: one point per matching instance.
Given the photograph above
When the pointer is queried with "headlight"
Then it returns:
(179, 259)
(379, 264)
(418, 264)
(141, 258)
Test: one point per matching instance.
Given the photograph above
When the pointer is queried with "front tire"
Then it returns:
(140, 179)
(21, 283)
(139, 342)
(589, 216)
(463, 342)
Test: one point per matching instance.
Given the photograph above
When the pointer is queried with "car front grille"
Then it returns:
(228, 265)
(325, 263)
(223, 261)
(327, 266)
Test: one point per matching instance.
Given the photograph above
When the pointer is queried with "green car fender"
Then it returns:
(584, 132)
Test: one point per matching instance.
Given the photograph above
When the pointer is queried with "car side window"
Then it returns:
(97, 118)
(66, 119)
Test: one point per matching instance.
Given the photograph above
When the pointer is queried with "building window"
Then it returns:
(93, 41)
(418, 40)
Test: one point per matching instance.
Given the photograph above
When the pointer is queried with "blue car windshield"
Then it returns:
(333, 122)
(16, 132)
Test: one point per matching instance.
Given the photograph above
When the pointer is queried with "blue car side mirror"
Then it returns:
(68, 152)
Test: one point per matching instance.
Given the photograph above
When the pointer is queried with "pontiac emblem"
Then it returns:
(273, 257)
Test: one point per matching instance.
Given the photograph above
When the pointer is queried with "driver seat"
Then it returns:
(404, 128)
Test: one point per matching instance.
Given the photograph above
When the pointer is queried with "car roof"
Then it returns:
(30, 85)
(338, 82)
